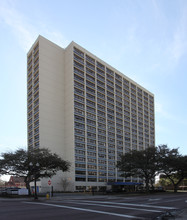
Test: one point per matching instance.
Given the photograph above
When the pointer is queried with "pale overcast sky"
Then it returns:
(144, 39)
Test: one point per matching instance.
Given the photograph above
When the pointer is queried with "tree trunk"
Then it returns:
(147, 185)
(175, 187)
(152, 185)
(28, 187)
(177, 184)
(27, 182)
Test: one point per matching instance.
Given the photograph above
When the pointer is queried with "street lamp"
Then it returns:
(35, 169)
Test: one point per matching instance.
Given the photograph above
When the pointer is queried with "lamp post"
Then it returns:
(35, 169)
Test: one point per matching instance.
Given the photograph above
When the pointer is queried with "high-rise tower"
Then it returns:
(86, 111)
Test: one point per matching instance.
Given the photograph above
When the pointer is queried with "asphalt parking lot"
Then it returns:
(98, 207)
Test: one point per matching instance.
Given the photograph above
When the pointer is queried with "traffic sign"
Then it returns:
(49, 182)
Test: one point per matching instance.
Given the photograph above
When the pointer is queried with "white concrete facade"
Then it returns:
(86, 111)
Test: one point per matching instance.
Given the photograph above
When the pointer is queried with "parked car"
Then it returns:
(3, 191)
(9, 191)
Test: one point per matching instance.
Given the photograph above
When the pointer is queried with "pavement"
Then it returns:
(182, 215)
(177, 215)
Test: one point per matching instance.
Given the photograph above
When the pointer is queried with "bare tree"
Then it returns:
(64, 182)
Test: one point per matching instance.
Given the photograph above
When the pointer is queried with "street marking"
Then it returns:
(154, 199)
(86, 210)
(132, 204)
(167, 201)
(119, 207)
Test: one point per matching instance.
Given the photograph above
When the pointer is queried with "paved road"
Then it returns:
(92, 207)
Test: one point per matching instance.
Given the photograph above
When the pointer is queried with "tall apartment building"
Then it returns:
(86, 111)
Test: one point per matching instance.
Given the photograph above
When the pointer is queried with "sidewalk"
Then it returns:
(182, 215)
(175, 214)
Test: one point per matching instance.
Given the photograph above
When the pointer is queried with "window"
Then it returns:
(90, 166)
(80, 165)
(80, 179)
(79, 132)
(81, 152)
(78, 52)
(109, 71)
(78, 138)
(79, 145)
(90, 59)
(79, 158)
(92, 180)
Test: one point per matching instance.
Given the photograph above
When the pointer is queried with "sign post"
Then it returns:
(49, 183)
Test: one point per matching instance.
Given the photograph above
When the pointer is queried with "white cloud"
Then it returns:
(178, 46)
(57, 38)
(158, 13)
(159, 109)
(25, 32)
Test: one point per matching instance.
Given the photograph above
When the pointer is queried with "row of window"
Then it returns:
(80, 124)
(102, 111)
(80, 115)
(79, 63)
(33, 97)
(91, 133)
(94, 173)
(111, 104)
(101, 123)
(90, 92)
